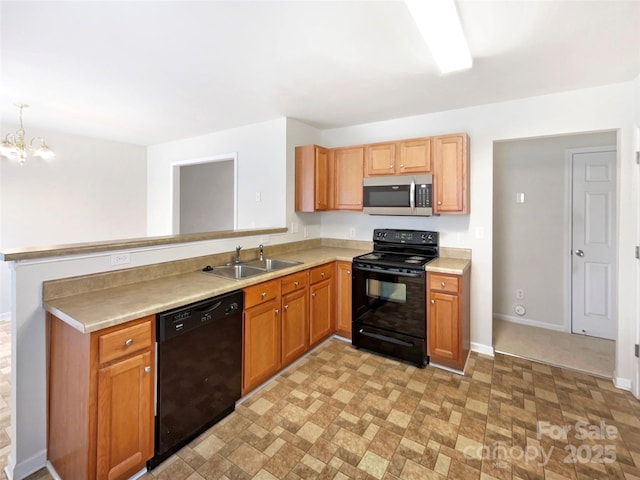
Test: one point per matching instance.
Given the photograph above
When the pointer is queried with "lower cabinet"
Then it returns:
(101, 394)
(321, 303)
(261, 334)
(343, 299)
(295, 319)
(448, 328)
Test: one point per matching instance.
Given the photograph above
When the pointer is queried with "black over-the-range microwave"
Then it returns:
(398, 195)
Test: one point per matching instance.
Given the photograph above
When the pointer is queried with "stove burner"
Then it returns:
(414, 261)
(371, 256)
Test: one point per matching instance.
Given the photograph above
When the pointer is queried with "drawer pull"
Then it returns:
(433, 301)
(128, 342)
(442, 284)
(147, 369)
(295, 284)
(322, 274)
(264, 294)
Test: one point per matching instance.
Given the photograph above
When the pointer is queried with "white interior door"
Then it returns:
(594, 243)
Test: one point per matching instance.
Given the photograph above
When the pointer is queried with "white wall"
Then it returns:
(530, 238)
(262, 162)
(93, 190)
(595, 109)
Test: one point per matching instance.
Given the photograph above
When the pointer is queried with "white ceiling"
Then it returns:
(147, 72)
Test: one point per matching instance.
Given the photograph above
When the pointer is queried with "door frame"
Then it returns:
(568, 235)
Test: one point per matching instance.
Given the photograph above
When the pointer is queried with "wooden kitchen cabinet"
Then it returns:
(347, 174)
(101, 394)
(448, 330)
(450, 174)
(398, 158)
(321, 303)
(312, 184)
(260, 334)
(295, 317)
(343, 297)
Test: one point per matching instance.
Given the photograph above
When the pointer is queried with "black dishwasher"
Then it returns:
(199, 370)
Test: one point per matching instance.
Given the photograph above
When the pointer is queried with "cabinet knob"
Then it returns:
(277, 310)
(264, 294)
(128, 342)
(322, 274)
(433, 301)
(348, 272)
(286, 307)
(442, 284)
(313, 295)
(147, 369)
(390, 166)
(402, 165)
(295, 284)
(439, 202)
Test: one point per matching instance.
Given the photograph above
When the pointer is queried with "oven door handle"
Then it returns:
(399, 274)
(412, 195)
(385, 338)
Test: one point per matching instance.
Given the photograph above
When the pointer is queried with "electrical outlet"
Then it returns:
(120, 259)
(305, 232)
(294, 227)
(519, 294)
(479, 232)
(264, 239)
(258, 197)
(352, 233)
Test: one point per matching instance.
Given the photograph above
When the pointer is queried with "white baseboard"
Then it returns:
(25, 468)
(531, 323)
(5, 316)
(52, 471)
(622, 383)
(481, 348)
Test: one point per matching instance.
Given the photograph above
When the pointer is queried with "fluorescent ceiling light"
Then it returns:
(439, 24)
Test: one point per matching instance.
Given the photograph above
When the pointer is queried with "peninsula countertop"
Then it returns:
(95, 310)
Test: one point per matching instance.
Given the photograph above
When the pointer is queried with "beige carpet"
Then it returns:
(579, 352)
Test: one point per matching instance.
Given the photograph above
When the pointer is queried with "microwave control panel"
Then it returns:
(423, 195)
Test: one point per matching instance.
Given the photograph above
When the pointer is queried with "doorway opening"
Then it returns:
(205, 194)
(533, 258)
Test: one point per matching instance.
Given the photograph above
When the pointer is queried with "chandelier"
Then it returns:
(14, 145)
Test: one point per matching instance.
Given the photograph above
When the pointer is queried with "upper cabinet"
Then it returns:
(398, 158)
(450, 174)
(331, 179)
(347, 168)
(312, 179)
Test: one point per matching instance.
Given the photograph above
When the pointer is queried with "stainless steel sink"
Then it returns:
(235, 272)
(269, 264)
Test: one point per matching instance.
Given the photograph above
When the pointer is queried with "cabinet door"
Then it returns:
(295, 325)
(450, 174)
(443, 321)
(321, 178)
(125, 417)
(348, 170)
(343, 293)
(380, 159)
(415, 156)
(261, 344)
(321, 310)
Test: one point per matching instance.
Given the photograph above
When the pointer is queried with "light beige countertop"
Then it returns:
(451, 265)
(95, 310)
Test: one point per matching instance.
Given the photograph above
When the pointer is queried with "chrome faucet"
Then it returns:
(236, 259)
(261, 250)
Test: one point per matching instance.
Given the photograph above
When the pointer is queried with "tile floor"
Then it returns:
(341, 413)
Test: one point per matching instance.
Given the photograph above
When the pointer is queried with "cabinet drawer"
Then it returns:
(323, 272)
(263, 292)
(443, 283)
(293, 282)
(124, 341)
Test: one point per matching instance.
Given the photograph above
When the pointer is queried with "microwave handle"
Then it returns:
(412, 195)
